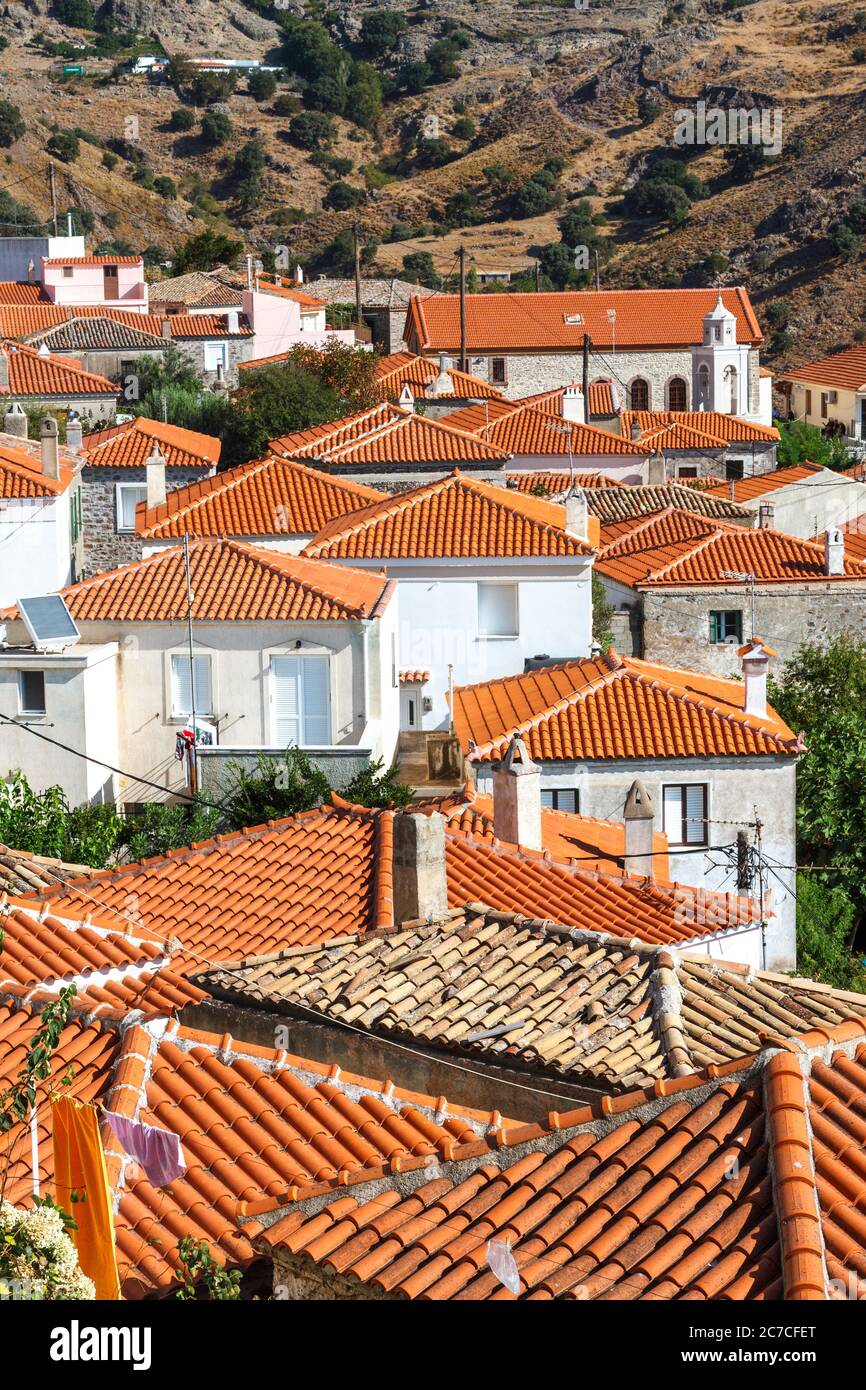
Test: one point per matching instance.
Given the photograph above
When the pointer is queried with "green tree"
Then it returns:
(261, 85)
(310, 130)
(170, 368)
(273, 789)
(801, 443)
(246, 175)
(181, 119)
(419, 269)
(12, 125)
(78, 14)
(216, 127)
(204, 251)
(208, 87)
(341, 196)
(414, 77)
(364, 102)
(602, 613)
(381, 31)
(825, 927)
(65, 145)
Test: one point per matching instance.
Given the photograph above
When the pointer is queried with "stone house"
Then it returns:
(682, 349)
(711, 752)
(38, 380)
(384, 305)
(115, 478)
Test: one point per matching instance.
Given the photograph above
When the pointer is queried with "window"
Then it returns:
(823, 405)
(215, 355)
(561, 799)
(301, 698)
(31, 692)
(676, 394)
(735, 391)
(181, 703)
(687, 470)
(685, 814)
(808, 402)
(733, 470)
(726, 625)
(497, 610)
(128, 497)
(67, 272)
(704, 384)
(639, 394)
(127, 367)
(498, 374)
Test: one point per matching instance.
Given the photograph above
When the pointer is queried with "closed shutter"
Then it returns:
(180, 686)
(286, 708)
(695, 814)
(316, 700)
(497, 610)
(673, 814)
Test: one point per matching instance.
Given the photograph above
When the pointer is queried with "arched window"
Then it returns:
(731, 374)
(639, 394)
(676, 393)
(704, 385)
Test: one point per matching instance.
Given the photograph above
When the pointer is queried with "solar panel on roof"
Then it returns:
(49, 621)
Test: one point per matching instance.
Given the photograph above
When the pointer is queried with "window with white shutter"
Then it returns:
(301, 700)
(497, 610)
(128, 497)
(685, 814)
(181, 702)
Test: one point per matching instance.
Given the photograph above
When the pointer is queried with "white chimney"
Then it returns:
(31, 271)
(577, 514)
(754, 660)
(638, 821)
(406, 399)
(635, 430)
(48, 436)
(44, 350)
(233, 321)
(15, 421)
(657, 472)
(4, 368)
(517, 798)
(420, 881)
(573, 405)
(74, 432)
(299, 275)
(834, 551)
(766, 512)
(155, 476)
(442, 385)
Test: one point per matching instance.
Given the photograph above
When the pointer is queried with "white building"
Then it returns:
(40, 511)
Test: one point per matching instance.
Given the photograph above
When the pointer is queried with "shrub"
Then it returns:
(309, 130)
(109, 160)
(286, 104)
(648, 109)
(208, 87)
(463, 129)
(261, 85)
(216, 127)
(381, 30)
(181, 119)
(12, 125)
(844, 240)
(65, 145)
(78, 14)
(165, 187)
(859, 55)
(38, 1256)
(341, 196)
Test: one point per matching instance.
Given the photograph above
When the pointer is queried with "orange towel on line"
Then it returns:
(79, 1167)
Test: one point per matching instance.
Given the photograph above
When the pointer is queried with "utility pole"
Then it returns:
(586, 377)
(537, 276)
(463, 363)
(744, 869)
(53, 194)
(193, 769)
(356, 233)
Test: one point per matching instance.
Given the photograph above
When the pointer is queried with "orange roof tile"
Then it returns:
(843, 370)
(414, 677)
(93, 260)
(455, 516)
(22, 320)
(615, 707)
(560, 482)
(525, 322)
(854, 533)
(400, 369)
(745, 489)
(714, 424)
(31, 374)
(22, 292)
(676, 549)
(21, 472)
(129, 445)
(289, 291)
(386, 434)
(272, 496)
(525, 430)
(601, 399)
(231, 582)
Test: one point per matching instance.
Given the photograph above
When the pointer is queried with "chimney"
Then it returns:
(754, 660)
(573, 405)
(166, 326)
(4, 368)
(635, 430)
(155, 475)
(16, 420)
(48, 435)
(834, 551)
(233, 321)
(441, 386)
(517, 798)
(31, 271)
(638, 820)
(299, 275)
(406, 399)
(74, 431)
(657, 472)
(766, 512)
(577, 514)
(420, 883)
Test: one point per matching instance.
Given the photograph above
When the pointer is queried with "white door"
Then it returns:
(301, 701)
(410, 707)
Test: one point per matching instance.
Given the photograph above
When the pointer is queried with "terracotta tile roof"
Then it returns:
(600, 1012)
(96, 334)
(33, 375)
(525, 430)
(399, 369)
(601, 399)
(676, 549)
(21, 472)
(694, 428)
(455, 516)
(21, 321)
(112, 970)
(230, 581)
(287, 290)
(386, 434)
(560, 481)
(414, 677)
(21, 871)
(635, 1198)
(842, 370)
(129, 445)
(93, 260)
(854, 533)
(198, 290)
(526, 322)
(615, 707)
(22, 292)
(745, 489)
(271, 497)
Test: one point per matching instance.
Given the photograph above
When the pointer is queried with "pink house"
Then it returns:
(115, 281)
(281, 317)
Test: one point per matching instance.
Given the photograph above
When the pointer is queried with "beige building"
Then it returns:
(830, 391)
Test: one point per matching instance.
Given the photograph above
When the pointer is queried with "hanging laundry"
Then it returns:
(82, 1187)
(157, 1150)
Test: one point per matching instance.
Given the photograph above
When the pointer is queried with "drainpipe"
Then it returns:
(365, 633)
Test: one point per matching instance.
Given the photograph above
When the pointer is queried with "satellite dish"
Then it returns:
(49, 622)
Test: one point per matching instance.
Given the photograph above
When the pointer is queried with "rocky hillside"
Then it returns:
(599, 88)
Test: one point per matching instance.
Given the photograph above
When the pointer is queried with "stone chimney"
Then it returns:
(48, 436)
(635, 430)
(166, 326)
(638, 821)
(155, 476)
(754, 660)
(74, 431)
(573, 405)
(517, 798)
(420, 882)
(15, 421)
(834, 551)
(657, 472)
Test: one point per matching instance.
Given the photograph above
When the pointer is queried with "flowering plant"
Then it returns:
(37, 1257)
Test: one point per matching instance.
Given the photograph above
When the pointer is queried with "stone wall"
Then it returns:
(240, 350)
(544, 372)
(676, 624)
(104, 547)
(301, 1280)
